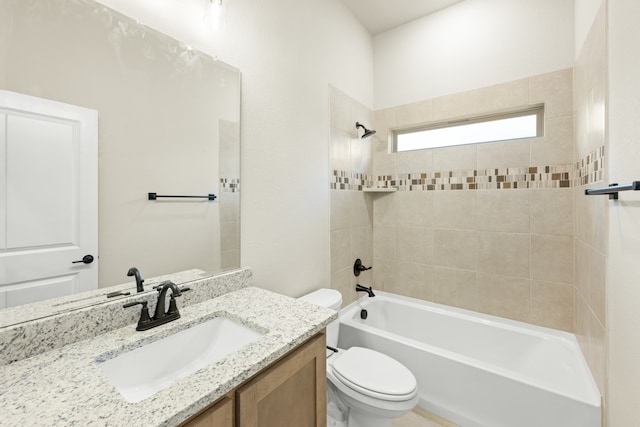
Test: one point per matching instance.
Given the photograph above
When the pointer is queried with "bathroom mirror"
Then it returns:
(169, 123)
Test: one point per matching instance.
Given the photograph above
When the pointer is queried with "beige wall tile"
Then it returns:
(598, 353)
(552, 211)
(556, 146)
(340, 249)
(460, 158)
(503, 210)
(416, 208)
(455, 249)
(552, 258)
(581, 217)
(360, 208)
(362, 244)
(552, 305)
(341, 281)
(597, 285)
(340, 150)
(597, 116)
(504, 296)
(458, 288)
(339, 209)
(491, 99)
(383, 161)
(230, 236)
(505, 154)
(582, 268)
(596, 217)
(384, 274)
(384, 209)
(581, 126)
(555, 90)
(414, 280)
(414, 244)
(455, 209)
(361, 155)
(229, 259)
(414, 114)
(384, 242)
(414, 161)
(363, 114)
(582, 324)
(383, 121)
(504, 254)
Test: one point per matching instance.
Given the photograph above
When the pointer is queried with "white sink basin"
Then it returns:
(145, 371)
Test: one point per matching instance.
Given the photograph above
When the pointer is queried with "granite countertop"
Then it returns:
(65, 387)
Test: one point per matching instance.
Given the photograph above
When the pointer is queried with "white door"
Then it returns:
(48, 199)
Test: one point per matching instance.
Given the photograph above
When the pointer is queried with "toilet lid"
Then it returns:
(374, 373)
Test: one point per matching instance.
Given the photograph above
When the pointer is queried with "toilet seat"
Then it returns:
(374, 374)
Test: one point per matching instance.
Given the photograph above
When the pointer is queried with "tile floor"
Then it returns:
(422, 418)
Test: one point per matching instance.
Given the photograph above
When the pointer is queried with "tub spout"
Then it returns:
(360, 288)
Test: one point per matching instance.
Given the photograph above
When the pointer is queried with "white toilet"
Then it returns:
(365, 388)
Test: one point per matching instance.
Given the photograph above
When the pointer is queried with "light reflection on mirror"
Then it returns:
(169, 120)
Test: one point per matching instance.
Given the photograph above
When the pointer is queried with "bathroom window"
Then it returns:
(520, 124)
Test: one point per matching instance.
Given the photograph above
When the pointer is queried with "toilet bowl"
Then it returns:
(365, 388)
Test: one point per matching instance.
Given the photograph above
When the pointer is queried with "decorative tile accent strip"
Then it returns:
(556, 176)
(229, 185)
(586, 171)
(343, 180)
(590, 168)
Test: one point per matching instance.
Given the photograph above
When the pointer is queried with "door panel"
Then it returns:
(41, 192)
(40, 289)
(48, 200)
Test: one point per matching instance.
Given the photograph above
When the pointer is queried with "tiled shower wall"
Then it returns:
(351, 209)
(486, 227)
(229, 196)
(590, 89)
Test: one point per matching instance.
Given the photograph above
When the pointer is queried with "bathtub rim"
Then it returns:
(591, 397)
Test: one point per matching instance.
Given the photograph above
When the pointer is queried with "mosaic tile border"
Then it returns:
(588, 170)
(343, 180)
(229, 185)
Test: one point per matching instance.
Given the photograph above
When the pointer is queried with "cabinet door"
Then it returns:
(220, 414)
(290, 393)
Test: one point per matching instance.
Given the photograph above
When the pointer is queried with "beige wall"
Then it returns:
(623, 290)
(470, 45)
(159, 106)
(289, 52)
(486, 246)
(351, 209)
(590, 97)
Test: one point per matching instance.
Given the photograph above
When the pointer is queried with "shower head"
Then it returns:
(367, 132)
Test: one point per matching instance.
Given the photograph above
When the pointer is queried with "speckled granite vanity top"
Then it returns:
(65, 387)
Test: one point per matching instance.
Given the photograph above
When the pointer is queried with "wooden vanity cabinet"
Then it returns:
(219, 414)
(290, 392)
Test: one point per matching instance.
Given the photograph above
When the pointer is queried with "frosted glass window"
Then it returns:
(502, 127)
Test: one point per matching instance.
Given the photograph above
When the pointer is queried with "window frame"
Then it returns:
(537, 109)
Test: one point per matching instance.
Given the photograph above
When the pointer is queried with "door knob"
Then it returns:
(87, 259)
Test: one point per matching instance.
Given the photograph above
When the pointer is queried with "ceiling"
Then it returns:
(382, 15)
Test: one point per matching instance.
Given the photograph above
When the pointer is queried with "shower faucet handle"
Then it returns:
(359, 268)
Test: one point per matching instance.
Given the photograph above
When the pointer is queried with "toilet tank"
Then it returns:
(328, 298)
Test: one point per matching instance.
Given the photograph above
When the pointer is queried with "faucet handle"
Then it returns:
(173, 307)
(144, 313)
(358, 267)
(175, 290)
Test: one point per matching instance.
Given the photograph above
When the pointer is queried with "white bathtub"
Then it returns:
(479, 370)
